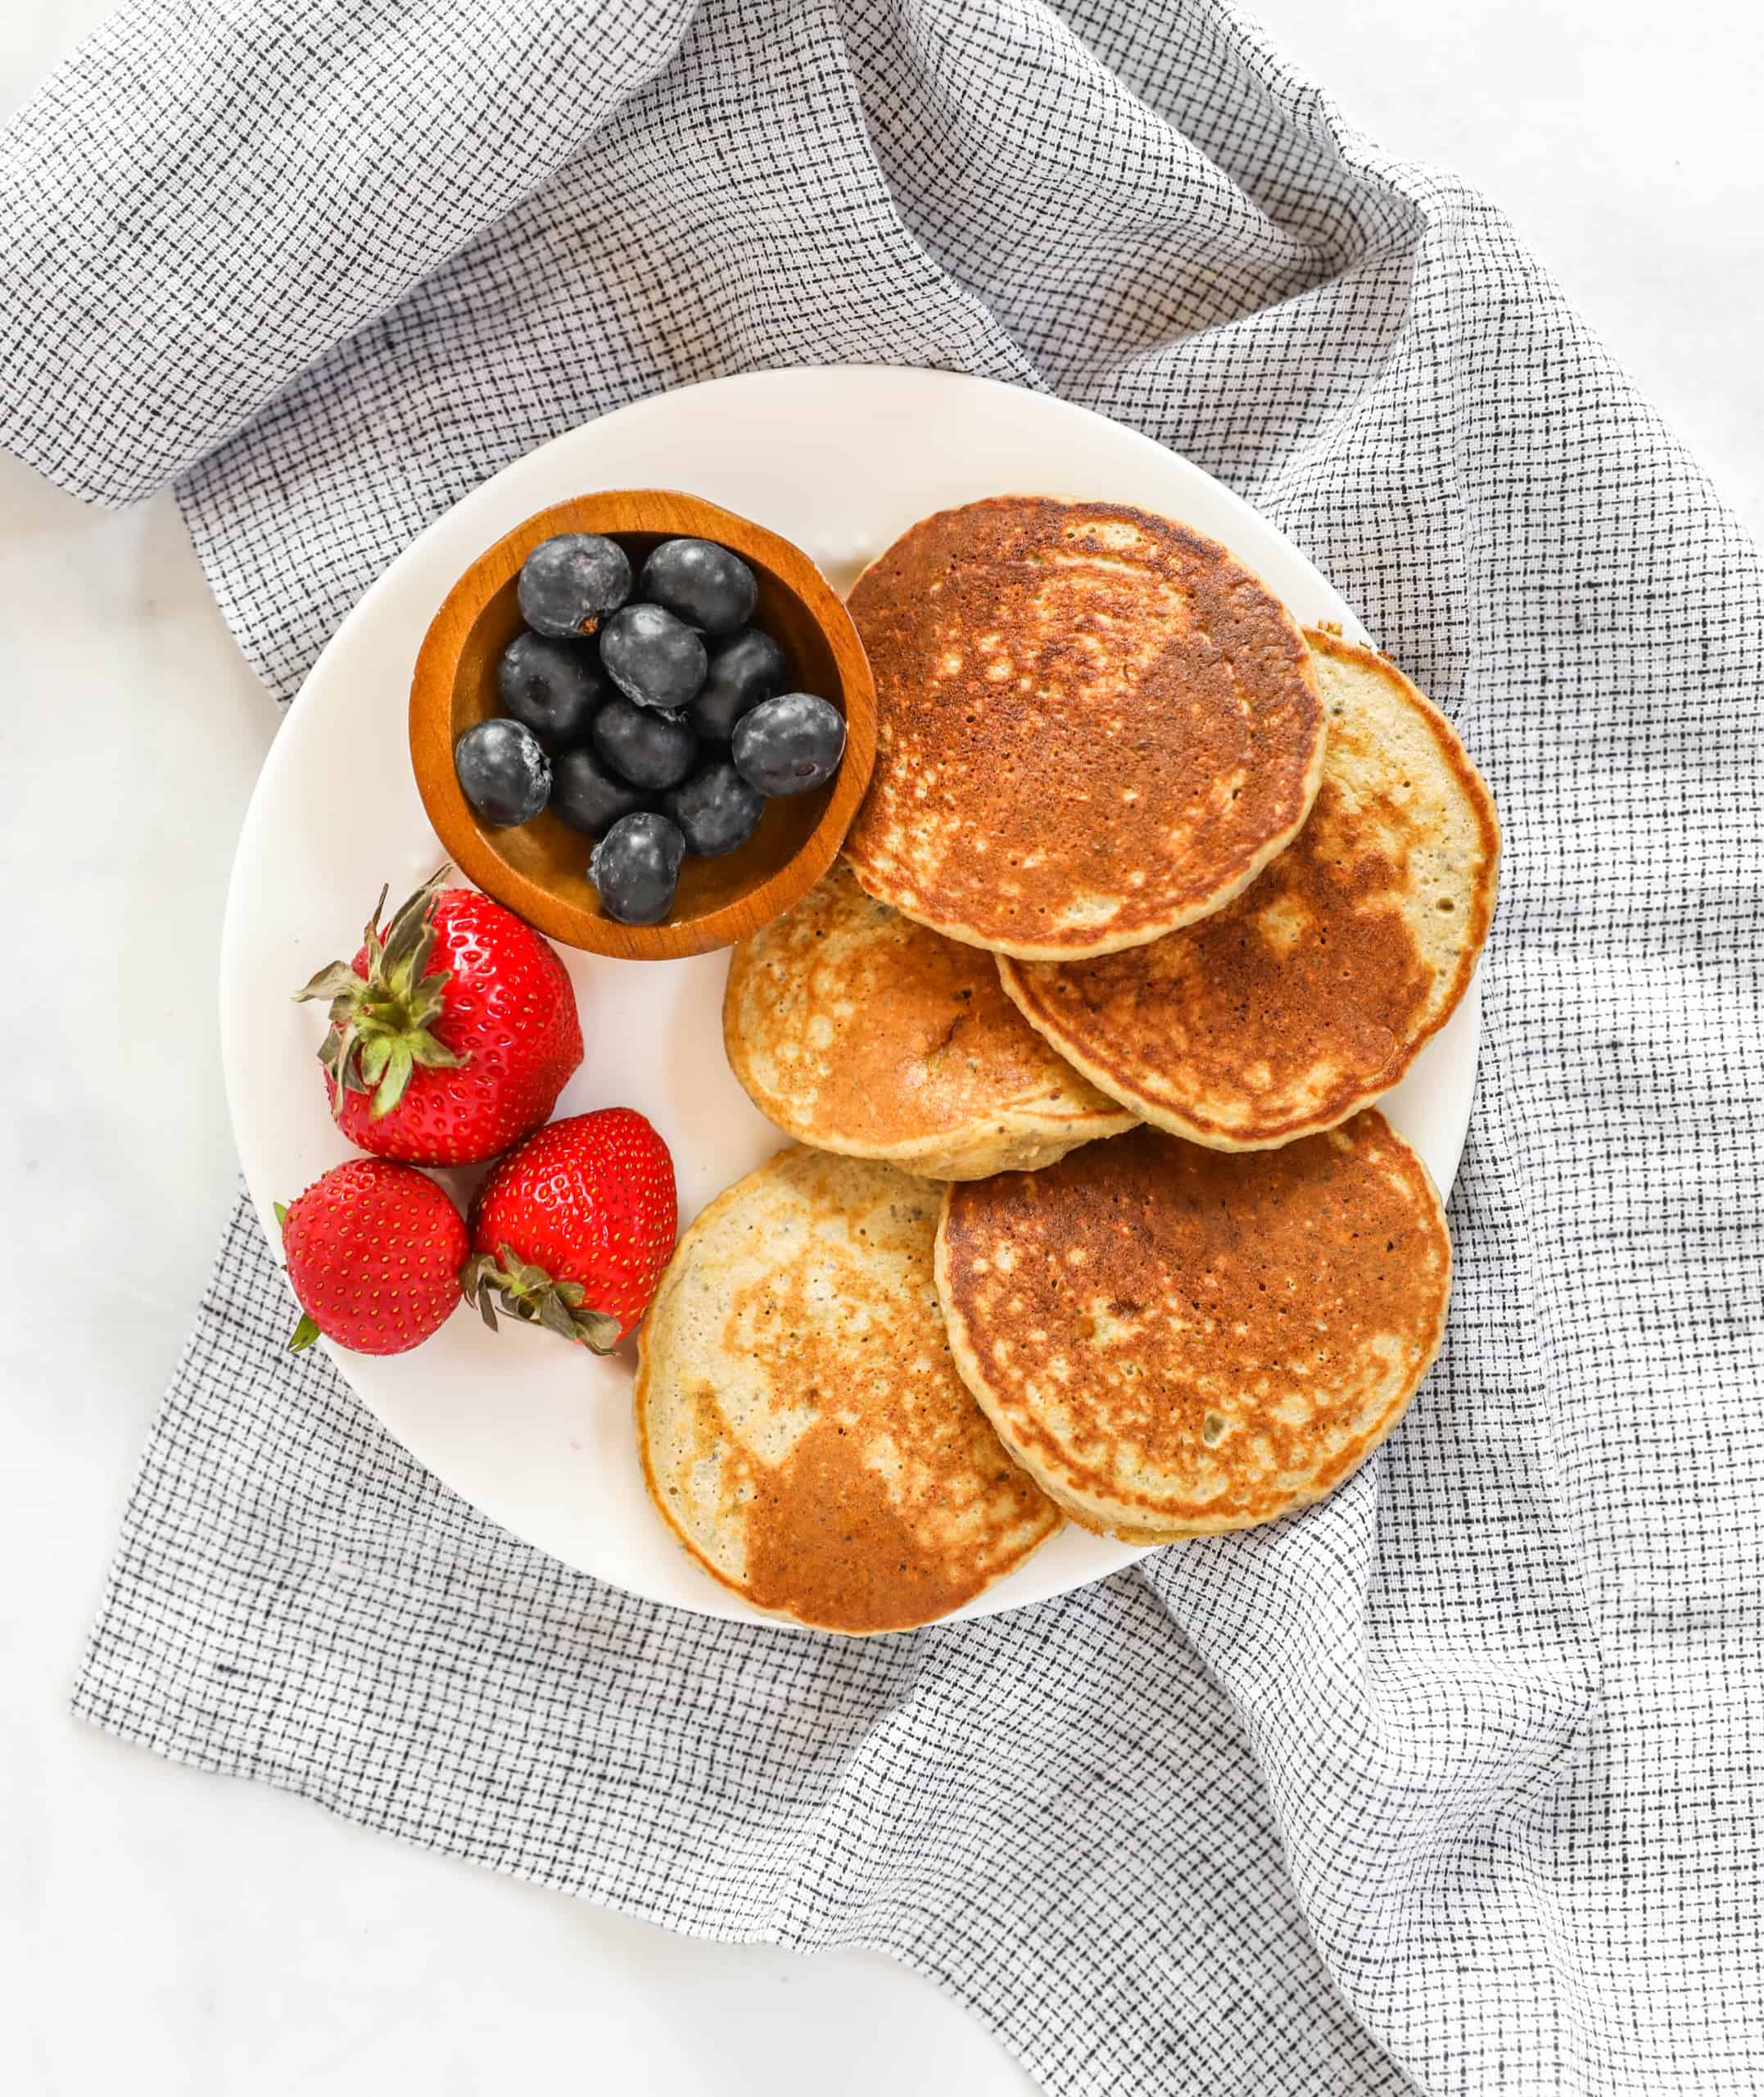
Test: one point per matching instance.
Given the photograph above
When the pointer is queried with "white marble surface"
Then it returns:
(183, 1937)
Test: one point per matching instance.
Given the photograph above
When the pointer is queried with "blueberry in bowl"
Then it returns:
(715, 809)
(554, 687)
(703, 583)
(569, 583)
(654, 659)
(590, 796)
(635, 867)
(746, 668)
(731, 637)
(640, 745)
(790, 745)
(503, 771)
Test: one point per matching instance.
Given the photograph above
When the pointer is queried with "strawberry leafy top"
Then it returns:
(382, 1024)
(528, 1292)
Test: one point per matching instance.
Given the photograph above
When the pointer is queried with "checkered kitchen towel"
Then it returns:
(1453, 1778)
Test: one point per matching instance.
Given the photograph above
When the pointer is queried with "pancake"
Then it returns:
(1173, 1342)
(1093, 725)
(1312, 993)
(856, 1030)
(802, 1429)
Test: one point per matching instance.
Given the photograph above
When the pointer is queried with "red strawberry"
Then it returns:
(374, 1252)
(573, 1228)
(451, 1035)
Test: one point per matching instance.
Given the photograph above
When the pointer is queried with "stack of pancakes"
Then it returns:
(1153, 894)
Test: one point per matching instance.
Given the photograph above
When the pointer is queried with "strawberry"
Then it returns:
(374, 1252)
(451, 1034)
(572, 1229)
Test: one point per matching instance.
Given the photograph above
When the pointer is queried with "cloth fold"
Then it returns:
(1453, 1778)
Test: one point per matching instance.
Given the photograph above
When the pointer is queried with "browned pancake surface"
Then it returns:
(802, 1427)
(857, 1030)
(1094, 726)
(1311, 993)
(1173, 1340)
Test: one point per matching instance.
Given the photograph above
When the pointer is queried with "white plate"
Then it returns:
(840, 460)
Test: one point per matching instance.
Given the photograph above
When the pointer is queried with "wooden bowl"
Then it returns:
(540, 869)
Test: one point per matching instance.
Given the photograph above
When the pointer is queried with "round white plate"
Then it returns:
(841, 460)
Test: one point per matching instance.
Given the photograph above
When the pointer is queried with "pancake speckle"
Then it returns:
(1239, 1333)
(1095, 726)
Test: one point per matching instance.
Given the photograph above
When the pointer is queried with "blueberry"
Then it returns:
(551, 687)
(589, 797)
(747, 668)
(569, 584)
(646, 747)
(652, 658)
(502, 772)
(789, 745)
(716, 810)
(706, 585)
(635, 867)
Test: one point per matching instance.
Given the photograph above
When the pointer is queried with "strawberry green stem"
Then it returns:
(382, 1024)
(529, 1293)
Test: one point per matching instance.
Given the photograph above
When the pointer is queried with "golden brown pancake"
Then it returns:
(1094, 726)
(1173, 1341)
(1311, 993)
(802, 1429)
(858, 1030)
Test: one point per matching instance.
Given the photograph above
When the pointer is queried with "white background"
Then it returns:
(167, 1932)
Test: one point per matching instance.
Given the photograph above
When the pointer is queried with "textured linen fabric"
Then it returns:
(1467, 1759)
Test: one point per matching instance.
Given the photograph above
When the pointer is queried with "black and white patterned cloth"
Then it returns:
(1455, 1779)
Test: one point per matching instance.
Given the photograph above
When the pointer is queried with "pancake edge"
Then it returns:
(671, 1280)
(1097, 1519)
(1017, 1139)
(1215, 899)
(1209, 1133)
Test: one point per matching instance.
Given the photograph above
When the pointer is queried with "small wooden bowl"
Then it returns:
(540, 869)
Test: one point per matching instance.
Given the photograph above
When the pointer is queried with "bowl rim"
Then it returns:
(463, 839)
